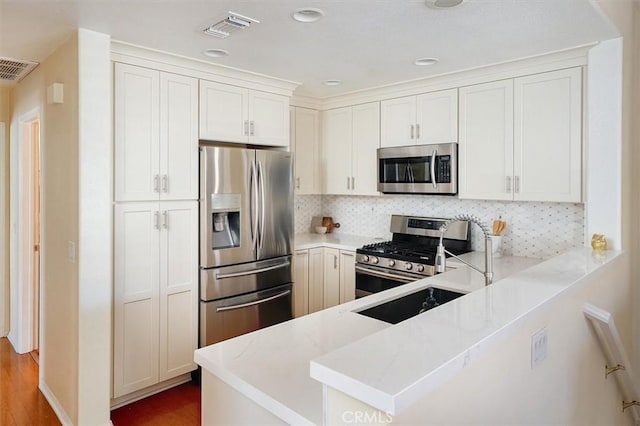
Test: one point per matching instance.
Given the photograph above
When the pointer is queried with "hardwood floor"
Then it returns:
(21, 403)
(179, 406)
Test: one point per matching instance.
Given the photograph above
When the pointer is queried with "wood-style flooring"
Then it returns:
(179, 406)
(22, 403)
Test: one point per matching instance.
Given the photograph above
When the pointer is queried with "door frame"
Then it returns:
(21, 232)
(3, 246)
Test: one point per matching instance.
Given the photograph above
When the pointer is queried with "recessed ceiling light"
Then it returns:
(425, 61)
(443, 4)
(215, 53)
(307, 15)
(332, 82)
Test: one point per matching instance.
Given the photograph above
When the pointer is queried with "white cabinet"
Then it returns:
(548, 136)
(331, 283)
(156, 135)
(155, 292)
(323, 277)
(305, 144)
(520, 139)
(351, 138)
(235, 114)
(424, 119)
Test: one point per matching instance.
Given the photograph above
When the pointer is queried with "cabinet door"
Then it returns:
(136, 297)
(366, 140)
(137, 146)
(398, 122)
(307, 150)
(548, 136)
(316, 279)
(224, 112)
(178, 137)
(437, 114)
(347, 276)
(178, 287)
(486, 141)
(336, 158)
(301, 283)
(331, 277)
(269, 119)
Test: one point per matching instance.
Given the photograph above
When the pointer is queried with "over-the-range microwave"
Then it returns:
(418, 169)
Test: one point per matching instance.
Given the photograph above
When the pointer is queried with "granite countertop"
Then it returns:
(272, 366)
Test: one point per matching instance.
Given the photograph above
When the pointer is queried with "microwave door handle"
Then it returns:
(433, 168)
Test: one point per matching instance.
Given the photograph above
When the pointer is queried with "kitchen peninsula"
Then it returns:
(277, 374)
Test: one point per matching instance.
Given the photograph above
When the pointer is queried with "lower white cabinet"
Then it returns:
(155, 293)
(324, 277)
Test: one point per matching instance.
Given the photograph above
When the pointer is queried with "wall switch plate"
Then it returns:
(71, 252)
(538, 347)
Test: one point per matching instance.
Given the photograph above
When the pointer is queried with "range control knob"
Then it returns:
(365, 258)
(420, 268)
(392, 262)
(408, 266)
(374, 260)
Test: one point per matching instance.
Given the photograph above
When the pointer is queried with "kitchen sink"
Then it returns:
(410, 305)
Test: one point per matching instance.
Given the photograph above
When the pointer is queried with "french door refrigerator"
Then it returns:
(246, 231)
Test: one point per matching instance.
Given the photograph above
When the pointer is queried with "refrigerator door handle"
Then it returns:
(253, 208)
(257, 302)
(252, 271)
(262, 201)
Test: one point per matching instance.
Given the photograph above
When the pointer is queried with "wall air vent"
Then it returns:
(230, 23)
(14, 70)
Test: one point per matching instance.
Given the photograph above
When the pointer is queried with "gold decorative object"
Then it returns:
(598, 242)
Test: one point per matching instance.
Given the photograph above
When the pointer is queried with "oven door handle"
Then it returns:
(257, 302)
(385, 275)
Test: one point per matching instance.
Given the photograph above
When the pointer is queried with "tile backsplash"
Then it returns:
(534, 229)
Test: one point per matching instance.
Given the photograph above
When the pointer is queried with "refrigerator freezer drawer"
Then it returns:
(227, 318)
(228, 281)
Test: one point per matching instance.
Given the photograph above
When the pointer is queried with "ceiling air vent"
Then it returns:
(14, 70)
(230, 23)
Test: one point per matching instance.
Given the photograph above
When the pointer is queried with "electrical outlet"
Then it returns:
(538, 347)
(71, 252)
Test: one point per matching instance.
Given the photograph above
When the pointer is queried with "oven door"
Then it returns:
(372, 279)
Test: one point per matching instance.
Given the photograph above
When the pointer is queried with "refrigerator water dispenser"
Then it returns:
(225, 215)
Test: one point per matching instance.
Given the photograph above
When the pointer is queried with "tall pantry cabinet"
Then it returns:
(155, 227)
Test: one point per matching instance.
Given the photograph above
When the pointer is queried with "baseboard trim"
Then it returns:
(151, 390)
(55, 405)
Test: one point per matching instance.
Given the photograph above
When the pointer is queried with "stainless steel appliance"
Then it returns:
(246, 229)
(410, 255)
(418, 169)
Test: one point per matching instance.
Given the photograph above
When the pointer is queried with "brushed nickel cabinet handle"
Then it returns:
(517, 184)
(508, 184)
(156, 183)
(412, 130)
(417, 131)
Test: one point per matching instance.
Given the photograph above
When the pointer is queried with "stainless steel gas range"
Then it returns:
(410, 254)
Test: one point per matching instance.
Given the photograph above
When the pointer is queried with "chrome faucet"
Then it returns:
(441, 262)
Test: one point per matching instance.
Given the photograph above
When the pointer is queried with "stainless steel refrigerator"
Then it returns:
(246, 231)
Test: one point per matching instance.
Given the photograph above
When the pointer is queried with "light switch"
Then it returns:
(71, 252)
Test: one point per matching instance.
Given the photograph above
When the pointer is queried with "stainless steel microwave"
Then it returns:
(418, 169)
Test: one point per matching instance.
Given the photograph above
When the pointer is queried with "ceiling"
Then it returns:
(364, 43)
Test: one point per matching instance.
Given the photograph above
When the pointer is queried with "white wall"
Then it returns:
(95, 228)
(5, 117)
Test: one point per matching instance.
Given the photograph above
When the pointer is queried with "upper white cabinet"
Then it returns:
(156, 135)
(520, 139)
(305, 143)
(423, 119)
(548, 136)
(351, 138)
(235, 114)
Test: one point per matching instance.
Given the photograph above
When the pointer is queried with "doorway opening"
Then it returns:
(25, 253)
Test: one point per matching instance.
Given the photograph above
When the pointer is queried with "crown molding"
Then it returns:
(177, 64)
